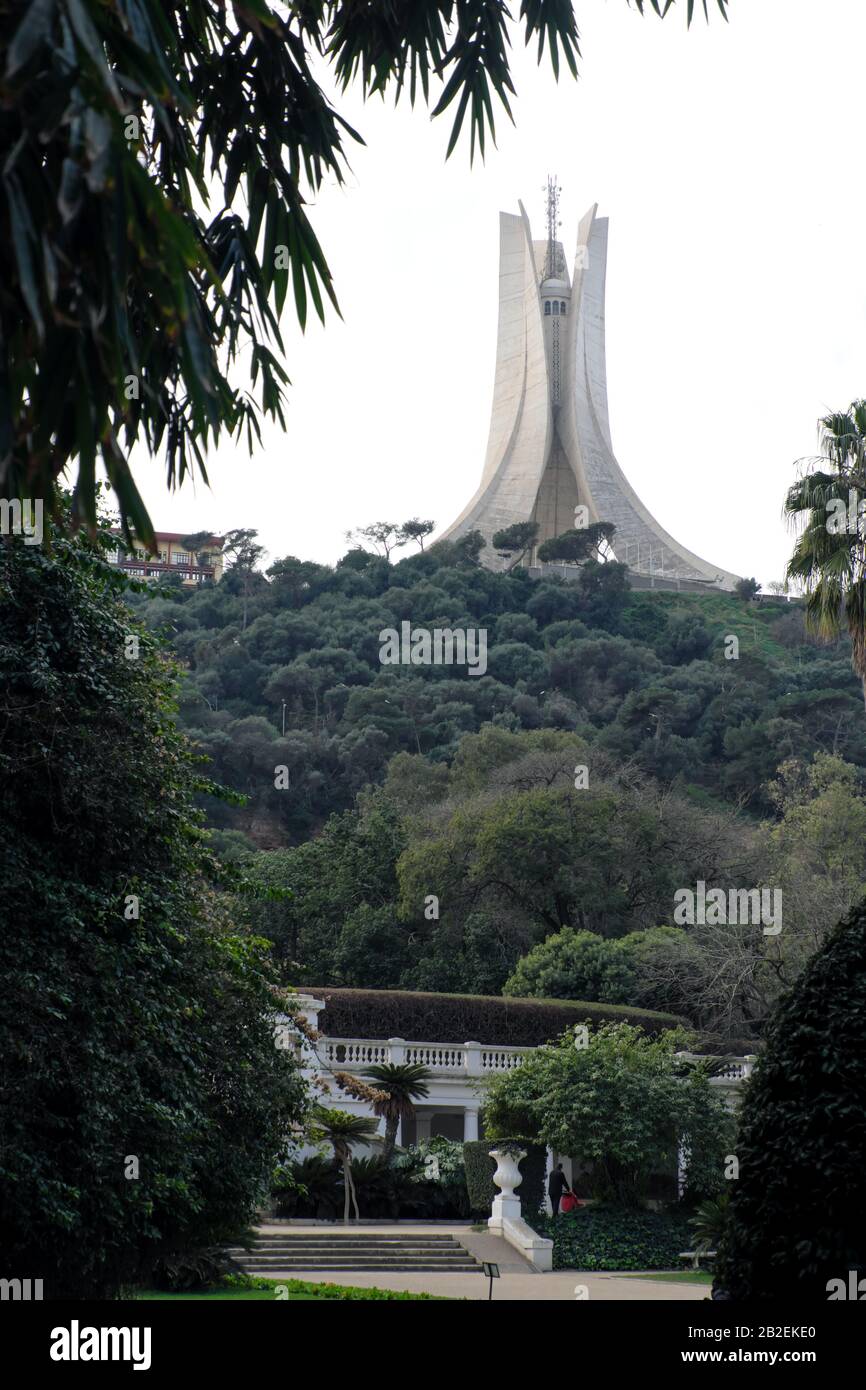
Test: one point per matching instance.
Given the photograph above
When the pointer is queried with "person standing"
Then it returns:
(557, 1184)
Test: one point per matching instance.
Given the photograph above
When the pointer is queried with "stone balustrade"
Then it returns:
(463, 1059)
(736, 1069)
(451, 1059)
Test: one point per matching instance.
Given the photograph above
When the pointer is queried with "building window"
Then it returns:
(179, 557)
(562, 307)
(556, 306)
(547, 306)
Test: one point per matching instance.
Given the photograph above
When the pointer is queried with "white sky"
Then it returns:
(728, 160)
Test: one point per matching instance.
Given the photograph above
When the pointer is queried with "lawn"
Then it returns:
(244, 1289)
(676, 1276)
(235, 1295)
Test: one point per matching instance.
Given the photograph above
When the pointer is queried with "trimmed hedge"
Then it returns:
(480, 1168)
(397, 1013)
(604, 1237)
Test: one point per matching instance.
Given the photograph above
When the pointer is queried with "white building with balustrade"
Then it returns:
(458, 1073)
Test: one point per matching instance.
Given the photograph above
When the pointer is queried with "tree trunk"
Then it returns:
(390, 1137)
(348, 1190)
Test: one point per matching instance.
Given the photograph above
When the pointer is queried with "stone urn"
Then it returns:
(507, 1176)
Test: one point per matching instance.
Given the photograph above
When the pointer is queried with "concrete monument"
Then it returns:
(549, 454)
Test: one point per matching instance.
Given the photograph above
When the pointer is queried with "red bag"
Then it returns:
(568, 1202)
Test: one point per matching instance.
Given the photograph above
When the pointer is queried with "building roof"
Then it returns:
(172, 536)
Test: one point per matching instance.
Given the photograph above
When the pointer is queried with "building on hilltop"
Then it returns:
(549, 449)
(202, 566)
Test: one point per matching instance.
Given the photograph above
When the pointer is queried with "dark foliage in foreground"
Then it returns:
(798, 1210)
(142, 1100)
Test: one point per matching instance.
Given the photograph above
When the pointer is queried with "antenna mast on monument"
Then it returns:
(551, 264)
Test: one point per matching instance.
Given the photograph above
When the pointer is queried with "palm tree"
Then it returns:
(402, 1085)
(342, 1131)
(830, 554)
(708, 1223)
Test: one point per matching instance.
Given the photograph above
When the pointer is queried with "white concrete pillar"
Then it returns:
(472, 1056)
(287, 1037)
(397, 1051)
(470, 1124)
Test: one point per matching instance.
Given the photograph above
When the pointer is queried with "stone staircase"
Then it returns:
(274, 1254)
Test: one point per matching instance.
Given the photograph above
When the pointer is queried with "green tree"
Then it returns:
(143, 1102)
(243, 553)
(295, 579)
(579, 544)
(198, 545)
(515, 540)
(747, 589)
(416, 530)
(603, 588)
(559, 857)
(343, 1131)
(829, 558)
(371, 949)
(575, 965)
(320, 888)
(402, 1084)
(468, 547)
(384, 535)
(621, 1106)
(797, 1216)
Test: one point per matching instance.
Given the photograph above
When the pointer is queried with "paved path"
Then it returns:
(517, 1281)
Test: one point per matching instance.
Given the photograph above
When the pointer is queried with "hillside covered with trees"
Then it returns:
(523, 830)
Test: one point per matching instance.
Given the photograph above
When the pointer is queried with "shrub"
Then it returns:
(191, 1270)
(314, 1185)
(610, 1237)
(310, 1187)
(351, 1293)
(708, 1222)
(375, 1013)
(798, 1211)
(480, 1168)
(570, 963)
(439, 1197)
